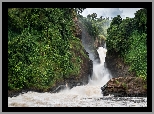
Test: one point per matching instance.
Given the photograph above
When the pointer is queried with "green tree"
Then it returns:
(127, 38)
(39, 42)
(141, 20)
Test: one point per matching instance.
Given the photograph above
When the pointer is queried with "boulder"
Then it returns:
(125, 86)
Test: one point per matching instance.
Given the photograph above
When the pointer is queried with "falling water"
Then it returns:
(105, 45)
(76, 96)
(100, 73)
(80, 96)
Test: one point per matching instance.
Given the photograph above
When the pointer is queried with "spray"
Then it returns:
(100, 73)
(77, 96)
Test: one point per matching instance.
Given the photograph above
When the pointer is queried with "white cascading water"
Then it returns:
(69, 97)
(100, 74)
(80, 96)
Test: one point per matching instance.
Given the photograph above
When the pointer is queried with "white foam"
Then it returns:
(80, 96)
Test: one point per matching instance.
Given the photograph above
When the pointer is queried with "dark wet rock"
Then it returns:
(117, 67)
(125, 87)
(60, 88)
(14, 93)
(99, 42)
(91, 68)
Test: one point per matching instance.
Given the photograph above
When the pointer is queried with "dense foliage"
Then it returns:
(39, 47)
(42, 45)
(127, 38)
(96, 27)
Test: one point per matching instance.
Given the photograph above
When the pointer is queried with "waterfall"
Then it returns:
(101, 74)
(84, 95)
(80, 96)
(105, 45)
(102, 54)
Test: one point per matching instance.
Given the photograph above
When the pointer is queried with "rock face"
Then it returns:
(125, 86)
(117, 67)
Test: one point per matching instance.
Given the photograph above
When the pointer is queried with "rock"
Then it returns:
(116, 66)
(59, 88)
(125, 86)
(78, 84)
(90, 68)
(103, 88)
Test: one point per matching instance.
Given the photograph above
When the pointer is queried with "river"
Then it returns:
(80, 96)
